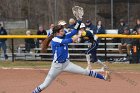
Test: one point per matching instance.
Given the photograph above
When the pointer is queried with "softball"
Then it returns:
(83, 33)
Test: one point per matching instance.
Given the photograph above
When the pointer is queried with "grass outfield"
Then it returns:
(46, 65)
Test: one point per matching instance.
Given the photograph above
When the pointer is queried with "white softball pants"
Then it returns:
(57, 68)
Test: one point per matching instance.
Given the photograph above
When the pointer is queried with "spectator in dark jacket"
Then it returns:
(99, 28)
(3, 41)
(121, 27)
(89, 26)
(41, 31)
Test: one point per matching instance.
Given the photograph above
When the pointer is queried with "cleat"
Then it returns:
(107, 76)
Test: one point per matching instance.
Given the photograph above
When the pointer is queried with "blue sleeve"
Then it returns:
(66, 41)
(72, 33)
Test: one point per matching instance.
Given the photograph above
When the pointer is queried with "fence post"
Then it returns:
(105, 51)
(12, 40)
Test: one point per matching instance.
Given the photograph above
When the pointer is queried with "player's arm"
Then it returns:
(75, 31)
(70, 40)
(93, 38)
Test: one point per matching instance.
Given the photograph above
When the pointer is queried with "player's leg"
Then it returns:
(55, 70)
(73, 68)
(93, 55)
(91, 50)
(88, 61)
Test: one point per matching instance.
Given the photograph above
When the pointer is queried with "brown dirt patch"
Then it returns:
(24, 81)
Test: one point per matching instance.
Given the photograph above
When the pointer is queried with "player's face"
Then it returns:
(82, 29)
(61, 32)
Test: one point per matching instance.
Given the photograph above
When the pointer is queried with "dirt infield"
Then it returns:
(24, 81)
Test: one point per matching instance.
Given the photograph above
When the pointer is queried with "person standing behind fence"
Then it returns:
(89, 26)
(41, 31)
(99, 29)
(121, 27)
(49, 31)
(29, 42)
(3, 41)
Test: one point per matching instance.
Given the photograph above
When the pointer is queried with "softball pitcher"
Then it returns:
(61, 62)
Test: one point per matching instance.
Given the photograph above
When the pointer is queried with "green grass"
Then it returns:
(26, 64)
(116, 66)
(44, 64)
(125, 67)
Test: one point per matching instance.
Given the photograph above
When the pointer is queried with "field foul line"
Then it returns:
(37, 69)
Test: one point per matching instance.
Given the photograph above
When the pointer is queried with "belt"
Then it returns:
(62, 61)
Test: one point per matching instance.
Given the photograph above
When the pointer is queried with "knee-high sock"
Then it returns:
(37, 90)
(96, 75)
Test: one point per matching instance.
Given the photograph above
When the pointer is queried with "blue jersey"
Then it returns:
(60, 46)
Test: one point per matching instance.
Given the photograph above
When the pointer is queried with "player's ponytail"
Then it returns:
(47, 41)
